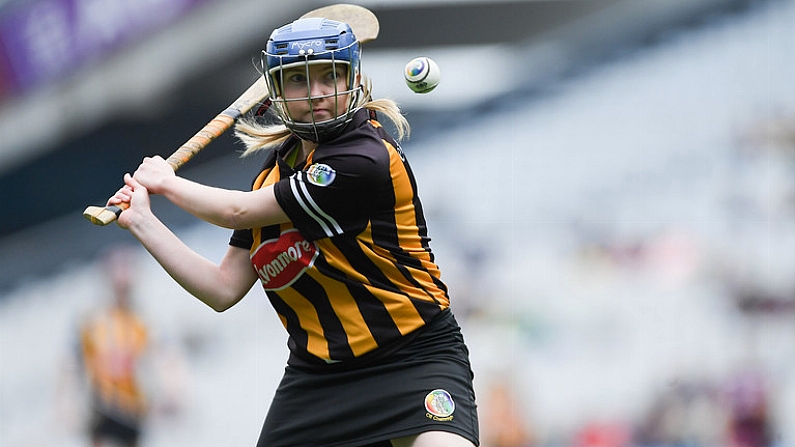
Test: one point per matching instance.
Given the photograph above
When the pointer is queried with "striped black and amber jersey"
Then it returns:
(353, 271)
(113, 343)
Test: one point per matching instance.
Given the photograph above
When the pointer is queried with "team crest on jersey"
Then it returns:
(320, 174)
(279, 262)
(440, 405)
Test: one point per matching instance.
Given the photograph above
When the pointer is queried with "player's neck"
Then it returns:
(306, 148)
(299, 153)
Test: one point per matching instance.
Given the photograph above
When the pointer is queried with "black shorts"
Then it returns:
(425, 385)
(107, 427)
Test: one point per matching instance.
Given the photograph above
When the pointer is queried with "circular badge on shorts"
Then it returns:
(439, 403)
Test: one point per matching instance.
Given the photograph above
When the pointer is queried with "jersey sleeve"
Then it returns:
(335, 195)
(242, 239)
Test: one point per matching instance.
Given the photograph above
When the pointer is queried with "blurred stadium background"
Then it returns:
(610, 187)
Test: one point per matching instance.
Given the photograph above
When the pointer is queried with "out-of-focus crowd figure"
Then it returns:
(735, 413)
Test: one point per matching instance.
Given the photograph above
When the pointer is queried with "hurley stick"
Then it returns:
(364, 25)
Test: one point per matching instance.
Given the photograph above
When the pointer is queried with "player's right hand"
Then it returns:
(136, 197)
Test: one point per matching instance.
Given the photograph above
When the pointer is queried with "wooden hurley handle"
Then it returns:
(221, 123)
(202, 139)
(103, 215)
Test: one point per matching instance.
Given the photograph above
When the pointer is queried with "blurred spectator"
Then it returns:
(504, 420)
(749, 423)
(113, 343)
(689, 412)
(603, 434)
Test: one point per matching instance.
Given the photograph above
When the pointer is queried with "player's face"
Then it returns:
(318, 96)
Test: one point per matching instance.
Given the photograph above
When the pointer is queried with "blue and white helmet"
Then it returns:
(305, 42)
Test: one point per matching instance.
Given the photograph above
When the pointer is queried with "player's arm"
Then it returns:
(222, 207)
(220, 286)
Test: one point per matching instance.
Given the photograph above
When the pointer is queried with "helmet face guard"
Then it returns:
(300, 45)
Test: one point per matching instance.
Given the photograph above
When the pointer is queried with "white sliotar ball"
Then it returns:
(422, 74)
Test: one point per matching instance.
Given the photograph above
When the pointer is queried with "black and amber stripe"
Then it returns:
(368, 289)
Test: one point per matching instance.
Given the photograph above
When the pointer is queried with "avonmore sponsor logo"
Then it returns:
(279, 262)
